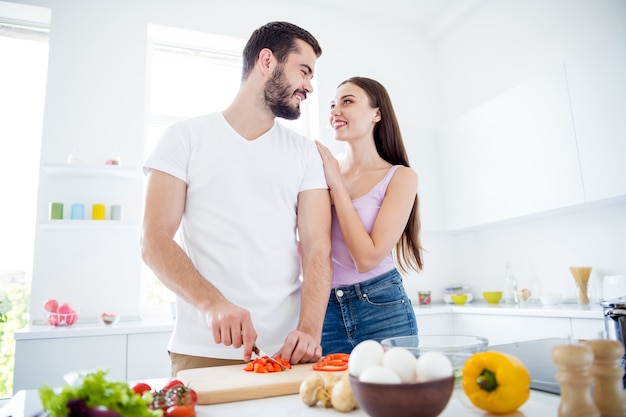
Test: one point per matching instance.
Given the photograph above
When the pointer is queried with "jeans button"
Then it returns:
(339, 293)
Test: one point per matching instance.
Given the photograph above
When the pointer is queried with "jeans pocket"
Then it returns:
(388, 295)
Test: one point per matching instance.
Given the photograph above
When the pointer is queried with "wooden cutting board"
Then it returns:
(222, 384)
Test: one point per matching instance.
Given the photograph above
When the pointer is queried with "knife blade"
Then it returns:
(261, 353)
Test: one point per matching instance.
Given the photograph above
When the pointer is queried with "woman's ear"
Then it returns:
(377, 116)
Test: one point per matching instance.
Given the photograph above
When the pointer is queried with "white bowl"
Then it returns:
(447, 298)
(550, 299)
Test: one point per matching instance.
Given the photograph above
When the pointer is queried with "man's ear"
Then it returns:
(265, 61)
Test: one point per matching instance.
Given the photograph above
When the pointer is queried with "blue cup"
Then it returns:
(78, 211)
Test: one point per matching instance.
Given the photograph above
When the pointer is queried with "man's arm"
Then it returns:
(164, 207)
(303, 344)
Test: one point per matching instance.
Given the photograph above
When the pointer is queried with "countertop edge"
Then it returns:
(571, 311)
(591, 311)
(94, 329)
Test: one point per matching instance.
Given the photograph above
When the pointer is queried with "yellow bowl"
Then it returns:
(492, 297)
(459, 299)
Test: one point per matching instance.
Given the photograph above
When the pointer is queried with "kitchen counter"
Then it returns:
(591, 311)
(540, 404)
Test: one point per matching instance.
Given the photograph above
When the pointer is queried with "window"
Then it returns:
(190, 74)
(24, 52)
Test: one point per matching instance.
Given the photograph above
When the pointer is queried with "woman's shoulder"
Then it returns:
(404, 175)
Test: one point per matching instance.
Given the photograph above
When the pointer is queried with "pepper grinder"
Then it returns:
(607, 373)
(573, 363)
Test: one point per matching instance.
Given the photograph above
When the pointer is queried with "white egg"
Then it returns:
(433, 365)
(402, 362)
(364, 355)
(380, 375)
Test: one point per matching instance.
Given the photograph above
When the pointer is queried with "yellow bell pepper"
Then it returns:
(496, 382)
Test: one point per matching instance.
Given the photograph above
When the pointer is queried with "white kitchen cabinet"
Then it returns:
(46, 361)
(132, 351)
(434, 324)
(513, 156)
(147, 356)
(587, 328)
(508, 329)
(597, 85)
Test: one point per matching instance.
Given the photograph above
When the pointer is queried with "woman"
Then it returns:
(375, 211)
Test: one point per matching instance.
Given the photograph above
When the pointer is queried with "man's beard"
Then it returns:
(278, 96)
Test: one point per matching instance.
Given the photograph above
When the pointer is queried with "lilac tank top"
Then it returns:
(367, 207)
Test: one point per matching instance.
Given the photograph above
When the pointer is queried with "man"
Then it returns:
(243, 192)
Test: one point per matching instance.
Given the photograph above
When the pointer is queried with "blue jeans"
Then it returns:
(374, 309)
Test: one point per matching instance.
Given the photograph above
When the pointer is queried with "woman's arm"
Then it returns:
(369, 250)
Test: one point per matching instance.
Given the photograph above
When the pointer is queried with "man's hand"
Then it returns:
(300, 347)
(232, 326)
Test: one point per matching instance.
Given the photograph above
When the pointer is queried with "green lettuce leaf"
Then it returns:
(96, 390)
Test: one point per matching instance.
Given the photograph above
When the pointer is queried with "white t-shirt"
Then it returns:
(239, 223)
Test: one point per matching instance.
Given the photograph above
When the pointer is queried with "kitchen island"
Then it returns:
(540, 404)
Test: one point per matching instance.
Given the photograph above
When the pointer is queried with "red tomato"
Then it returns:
(180, 411)
(141, 387)
(172, 383)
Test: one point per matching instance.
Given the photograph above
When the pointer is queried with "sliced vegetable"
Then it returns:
(496, 382)
(265, 365)
(333, 363)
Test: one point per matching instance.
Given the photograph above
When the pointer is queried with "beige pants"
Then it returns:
(181, 362)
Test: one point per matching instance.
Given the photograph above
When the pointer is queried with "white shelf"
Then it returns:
(67, 224)
(89, 171)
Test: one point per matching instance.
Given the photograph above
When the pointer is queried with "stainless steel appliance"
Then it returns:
(536, 356)
(615, 322)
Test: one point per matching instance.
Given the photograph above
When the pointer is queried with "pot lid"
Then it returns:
(615, 303)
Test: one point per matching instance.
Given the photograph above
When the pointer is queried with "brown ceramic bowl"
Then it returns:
(420, 399)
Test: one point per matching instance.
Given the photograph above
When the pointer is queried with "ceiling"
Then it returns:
(433, 17)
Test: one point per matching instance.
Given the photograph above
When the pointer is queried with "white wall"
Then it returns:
(499, 45)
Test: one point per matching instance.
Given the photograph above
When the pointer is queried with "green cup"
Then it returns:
(56, 211)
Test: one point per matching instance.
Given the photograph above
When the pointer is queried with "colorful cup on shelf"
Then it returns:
(56, 211)
(116, 212)
(98, 212)
(78, 211)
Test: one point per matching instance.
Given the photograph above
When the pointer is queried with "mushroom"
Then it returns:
(341, 396)
(312, 390)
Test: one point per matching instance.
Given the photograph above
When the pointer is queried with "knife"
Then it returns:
(261, 353)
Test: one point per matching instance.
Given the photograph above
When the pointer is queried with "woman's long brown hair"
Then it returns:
(390, 147)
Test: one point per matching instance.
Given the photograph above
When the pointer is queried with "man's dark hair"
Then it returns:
(280, 38)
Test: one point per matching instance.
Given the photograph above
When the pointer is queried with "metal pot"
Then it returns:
(615, 323)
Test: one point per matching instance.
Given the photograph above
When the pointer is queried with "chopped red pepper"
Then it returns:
(265, 365)
(332, 363)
